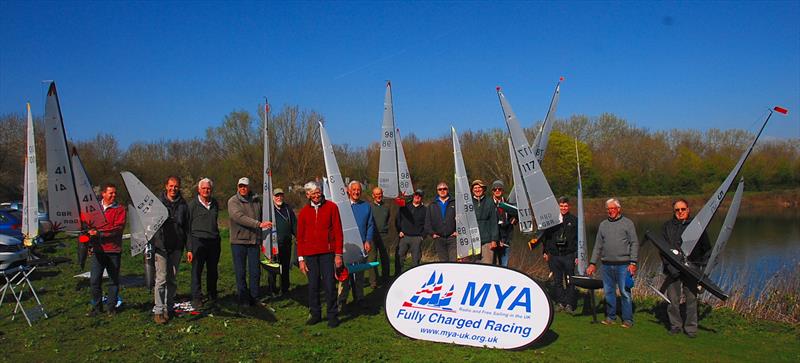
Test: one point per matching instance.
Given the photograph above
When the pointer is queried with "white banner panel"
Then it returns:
(469, 304)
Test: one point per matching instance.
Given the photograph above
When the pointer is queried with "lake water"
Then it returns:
(762, 243)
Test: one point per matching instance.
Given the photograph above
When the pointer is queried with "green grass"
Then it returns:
(226, 334)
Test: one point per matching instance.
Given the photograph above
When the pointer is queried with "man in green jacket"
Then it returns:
(380, 212)
(486, 214)
(203, 246)
(286, 227)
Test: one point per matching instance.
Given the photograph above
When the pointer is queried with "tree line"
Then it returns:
(617, 157)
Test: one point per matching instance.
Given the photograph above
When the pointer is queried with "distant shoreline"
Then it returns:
(661, 204)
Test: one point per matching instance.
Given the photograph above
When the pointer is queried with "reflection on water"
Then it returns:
(762, 243)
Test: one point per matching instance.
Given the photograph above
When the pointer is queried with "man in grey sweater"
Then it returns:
(618, 248)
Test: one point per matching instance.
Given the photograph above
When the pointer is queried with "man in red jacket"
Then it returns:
(319, 250)
(107, 252)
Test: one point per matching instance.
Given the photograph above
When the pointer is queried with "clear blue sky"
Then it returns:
(162, 70)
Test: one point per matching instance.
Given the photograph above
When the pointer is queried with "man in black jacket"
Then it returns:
(286, 227)
(673, 229)
(410, 225)
(168, 242)
(440, 224)
(560, 247)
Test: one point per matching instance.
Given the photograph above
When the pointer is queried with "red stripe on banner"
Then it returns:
(780, 109)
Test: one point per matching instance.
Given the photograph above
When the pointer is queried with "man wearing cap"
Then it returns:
(440, 223)
(168, 242)
(560, 248)
(380, 213)
(410, 223)
(245, 219)
(505, 224)
(319, 251)
(203, 246)
(286, 227)
(486, 214)
(617, 246)
(366, 227)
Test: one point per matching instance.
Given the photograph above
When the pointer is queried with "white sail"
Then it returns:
(326, 188)
(138, 238)
(268, 244)
(62, 200)
(524, 214)
(30, 194)
(583, 258)
(468, 235)
(537, 190)
(540, 142)
(91, 212)
(387, 168)
(353, 245)
(727, 228)
(701, 220)
(403, 175)
(151, 212)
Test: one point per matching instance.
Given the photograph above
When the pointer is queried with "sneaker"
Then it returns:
(608, 321)
(674, 331)
(569, 310)
(333, 322)
(159, 319)
(627, 324)
(313, 320)
(691, 335)
(112, 311)
(167, 315)
(558, 308)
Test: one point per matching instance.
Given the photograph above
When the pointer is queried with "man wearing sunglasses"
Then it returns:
(673, 229)
(440, 224)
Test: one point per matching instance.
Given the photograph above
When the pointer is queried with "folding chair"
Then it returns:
(15, 277)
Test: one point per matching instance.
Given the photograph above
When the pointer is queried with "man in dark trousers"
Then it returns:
(168, 242)
(560, 248)
(381, 239)
(319, 250)
(440, 223)
(673, 229)
(286, 226)
(203, 247)
(411, 230)
(107, 254)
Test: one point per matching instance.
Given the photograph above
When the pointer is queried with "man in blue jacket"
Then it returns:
(366, 226)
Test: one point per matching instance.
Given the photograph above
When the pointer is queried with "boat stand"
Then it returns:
(15, 277)
(593, 304)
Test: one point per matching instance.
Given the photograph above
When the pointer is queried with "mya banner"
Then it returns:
(469, 304)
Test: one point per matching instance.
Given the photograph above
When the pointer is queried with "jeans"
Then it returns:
(614, 277)
(205, 254)
(109, 262)
(320, 275)
(413, 243)
(562, 267)
(487, 254)
(245, 257)
(166, 280)
(501, 255)
(445, 248)
(379, 251)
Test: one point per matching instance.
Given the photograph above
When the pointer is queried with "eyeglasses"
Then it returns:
(681, 209)
(441, 188)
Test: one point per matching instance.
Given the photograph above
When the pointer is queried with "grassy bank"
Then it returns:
(278, 333)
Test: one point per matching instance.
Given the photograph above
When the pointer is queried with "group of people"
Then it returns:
(193, 226)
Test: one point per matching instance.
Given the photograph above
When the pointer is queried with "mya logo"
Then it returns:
(431, 296)
(468, 304)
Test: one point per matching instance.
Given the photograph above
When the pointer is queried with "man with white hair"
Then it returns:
(203, 245)
(319, 250)
(366, 226)
(618, 248)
